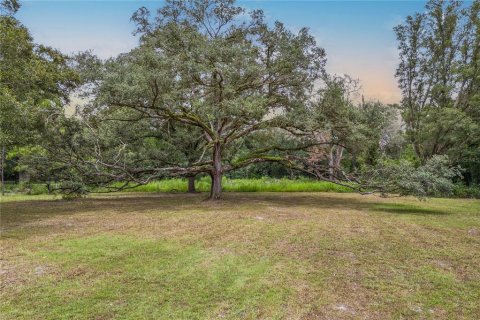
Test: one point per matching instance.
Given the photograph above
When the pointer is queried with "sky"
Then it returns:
(357, 35)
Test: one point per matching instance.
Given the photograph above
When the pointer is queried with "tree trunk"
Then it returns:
(216, 173)
(334, 159)
(331, 169)
(3, 169)
(191, 184)
(338, 159)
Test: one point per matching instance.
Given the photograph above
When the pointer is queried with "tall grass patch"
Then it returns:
(244, 185)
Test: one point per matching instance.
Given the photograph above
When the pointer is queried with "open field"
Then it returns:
(250, 256)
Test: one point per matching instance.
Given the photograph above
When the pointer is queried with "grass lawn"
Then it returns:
(250, 256)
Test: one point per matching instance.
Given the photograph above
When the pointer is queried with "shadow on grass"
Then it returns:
(399, 208)
(16, 214)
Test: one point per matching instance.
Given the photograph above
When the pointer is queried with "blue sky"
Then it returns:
(357, 35)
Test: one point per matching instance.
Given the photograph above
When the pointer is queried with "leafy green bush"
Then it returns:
(26, 188)
(36, 188)
(432, 179)
(463, 191)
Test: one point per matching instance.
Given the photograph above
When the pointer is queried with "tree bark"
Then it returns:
(216, 173)
(334, 159)
(338, 159)
(191, 184)
(3, 169)
(330, 164)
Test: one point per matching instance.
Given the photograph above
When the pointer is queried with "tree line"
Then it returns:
(214, 90)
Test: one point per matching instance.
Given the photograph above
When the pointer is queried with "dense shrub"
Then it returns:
(463, 191)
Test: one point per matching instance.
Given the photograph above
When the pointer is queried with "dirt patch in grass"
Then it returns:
(250, 256)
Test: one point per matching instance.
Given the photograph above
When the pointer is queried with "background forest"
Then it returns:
(214, 96)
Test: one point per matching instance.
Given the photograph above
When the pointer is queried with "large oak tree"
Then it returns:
(227, 74)
(211, 89)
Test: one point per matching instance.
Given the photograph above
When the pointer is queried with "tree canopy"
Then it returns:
(439, 75)
(34, 80)
(211, 89)
(226, 75)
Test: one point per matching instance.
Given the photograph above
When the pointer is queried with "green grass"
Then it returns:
(245, 185)
(9, 197)
(203, 185)
(249, 256)
(231, 185)
(148, 273)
